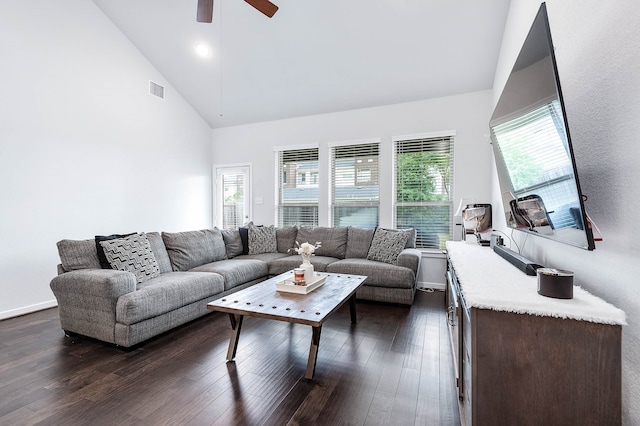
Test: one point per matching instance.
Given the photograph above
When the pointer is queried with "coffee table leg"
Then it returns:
(352, 308)
(236, 325)
(313, 352)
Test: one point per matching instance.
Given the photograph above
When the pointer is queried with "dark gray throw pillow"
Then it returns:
(244, 238)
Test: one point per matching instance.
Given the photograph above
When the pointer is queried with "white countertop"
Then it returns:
(490, 282)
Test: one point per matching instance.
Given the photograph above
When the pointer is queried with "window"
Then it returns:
(297, 199)
(355, 190)
(423, 182)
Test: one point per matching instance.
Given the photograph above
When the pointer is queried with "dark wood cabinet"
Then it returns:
(531, 369)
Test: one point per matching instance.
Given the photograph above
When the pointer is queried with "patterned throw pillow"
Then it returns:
(262, 239)
(387, 245)
(132, 254)
(104, 263)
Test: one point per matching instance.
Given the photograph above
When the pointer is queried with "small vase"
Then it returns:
(308, 268)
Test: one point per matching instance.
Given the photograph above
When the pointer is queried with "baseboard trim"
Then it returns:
(28, 309)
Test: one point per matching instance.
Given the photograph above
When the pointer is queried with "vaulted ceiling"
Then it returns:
(315, 56)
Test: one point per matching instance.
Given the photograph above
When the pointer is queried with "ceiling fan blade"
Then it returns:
(264, 6)
(205, 11)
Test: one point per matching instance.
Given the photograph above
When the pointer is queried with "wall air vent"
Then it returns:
(156, 90)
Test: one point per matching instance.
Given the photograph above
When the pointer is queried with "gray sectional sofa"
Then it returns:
(125, 289)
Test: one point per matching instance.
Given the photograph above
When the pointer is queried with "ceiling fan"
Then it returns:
(205, 9)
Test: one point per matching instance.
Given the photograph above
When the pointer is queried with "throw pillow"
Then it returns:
(104, 263)
(132, 254)
(244, 237)
(262, 239)
(411, 241)
(387, 245)
(232, 242)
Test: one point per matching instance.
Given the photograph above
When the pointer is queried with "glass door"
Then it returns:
(232, 196)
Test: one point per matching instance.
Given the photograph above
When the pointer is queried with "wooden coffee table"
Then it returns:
(264, 301)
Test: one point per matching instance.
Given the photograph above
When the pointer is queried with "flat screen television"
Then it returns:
(532, 147)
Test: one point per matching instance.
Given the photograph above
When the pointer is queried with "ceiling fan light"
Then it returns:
(203, 50)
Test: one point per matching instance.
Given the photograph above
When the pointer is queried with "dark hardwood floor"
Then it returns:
(393, 367)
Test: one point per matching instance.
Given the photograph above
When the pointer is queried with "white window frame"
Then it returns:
(332, 178)
(395, 204)
(278, 186)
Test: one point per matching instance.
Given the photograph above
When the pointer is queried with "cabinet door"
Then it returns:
(453, 321)
(466, 356)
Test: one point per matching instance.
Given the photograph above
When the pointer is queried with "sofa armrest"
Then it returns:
(88, 283)
(410, 258)
(87, 300)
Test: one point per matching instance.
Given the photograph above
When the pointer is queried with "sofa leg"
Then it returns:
(69, 334)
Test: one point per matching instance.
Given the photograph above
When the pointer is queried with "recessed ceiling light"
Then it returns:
(203, 50)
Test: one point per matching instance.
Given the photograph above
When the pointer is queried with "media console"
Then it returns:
(525, 359)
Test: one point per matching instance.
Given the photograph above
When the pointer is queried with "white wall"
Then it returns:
(468, 115)
(596, 47)
(84, 149)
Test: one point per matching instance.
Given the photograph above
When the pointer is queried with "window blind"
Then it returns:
(297, 183)
(423, 182)
(355, 187)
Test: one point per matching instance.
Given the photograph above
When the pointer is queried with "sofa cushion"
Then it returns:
(387, 245)
(232, 242)
(194, 248)
(286, 238)
(104, 263)
(237, 271)
(262, 239)
(78, 254)
(379, 274)
(132, 254)
(160, 252)
(334, 240)
(265, 257)
(285, 264)
(165, 293)
(358, 242)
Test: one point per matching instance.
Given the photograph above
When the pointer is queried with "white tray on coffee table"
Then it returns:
(288, 286)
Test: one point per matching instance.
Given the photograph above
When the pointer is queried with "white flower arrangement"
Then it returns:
(306, 249)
